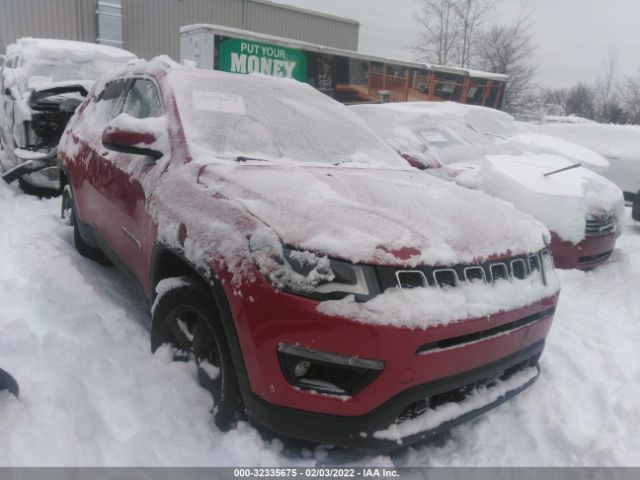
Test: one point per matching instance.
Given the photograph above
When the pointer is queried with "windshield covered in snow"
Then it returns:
(273, 119)
(491, 122)
(413, 128)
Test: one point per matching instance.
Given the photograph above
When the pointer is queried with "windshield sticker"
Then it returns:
(218, 102)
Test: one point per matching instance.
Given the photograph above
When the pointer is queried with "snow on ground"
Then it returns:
(74, 335)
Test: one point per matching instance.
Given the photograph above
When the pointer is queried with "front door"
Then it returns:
(121, 184)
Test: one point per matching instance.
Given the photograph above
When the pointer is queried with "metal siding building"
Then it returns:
(152, 27)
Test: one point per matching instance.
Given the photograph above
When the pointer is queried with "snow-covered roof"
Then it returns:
(69, 45)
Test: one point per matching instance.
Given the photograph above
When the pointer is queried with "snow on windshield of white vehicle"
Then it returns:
(45, 61)
(274, 119)
(411, 128)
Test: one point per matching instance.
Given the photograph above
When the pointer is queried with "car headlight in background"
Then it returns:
(310, 274)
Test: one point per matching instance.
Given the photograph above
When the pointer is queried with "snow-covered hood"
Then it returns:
(561, 201)
(375, 215)
(547, 144)
(611, 141)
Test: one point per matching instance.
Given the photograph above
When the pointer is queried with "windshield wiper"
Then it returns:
(249, 159)
(340, 162)
(553, 172)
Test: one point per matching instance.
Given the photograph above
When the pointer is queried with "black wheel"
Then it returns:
(66, 206)
(68, 214)
(39, 192)
(7, 382)
(186, 318)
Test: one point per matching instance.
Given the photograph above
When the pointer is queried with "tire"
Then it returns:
(68, 213)
(39, 192)
(7, 382)
(186, 318)
(66, 206)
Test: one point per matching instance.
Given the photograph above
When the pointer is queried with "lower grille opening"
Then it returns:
(490, 332)
(419, 407)
(595, 258)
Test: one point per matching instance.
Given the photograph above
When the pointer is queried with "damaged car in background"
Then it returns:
(42, 82)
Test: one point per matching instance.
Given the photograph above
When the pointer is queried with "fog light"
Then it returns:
(327, 372)
(302, 368)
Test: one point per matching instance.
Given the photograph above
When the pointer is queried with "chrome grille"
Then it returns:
(445, 277)
(411, 279)
(600, 224)
(499, 271)
(520, 267)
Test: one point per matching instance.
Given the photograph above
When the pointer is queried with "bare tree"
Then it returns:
(508, 49)
(629, 93)
(610, 70)
(554, 101)
(448, 29)
(471, 15)
(607, 106)
(580, 101)
(435, 43)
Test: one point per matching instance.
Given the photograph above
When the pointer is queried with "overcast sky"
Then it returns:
(572, 36)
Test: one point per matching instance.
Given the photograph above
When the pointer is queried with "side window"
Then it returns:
(109, 104)
(143, 100)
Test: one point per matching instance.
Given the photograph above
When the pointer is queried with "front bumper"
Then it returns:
(418, 363)
(589, 253)
(382, 429)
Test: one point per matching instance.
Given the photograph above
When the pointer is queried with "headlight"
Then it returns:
(311, 274)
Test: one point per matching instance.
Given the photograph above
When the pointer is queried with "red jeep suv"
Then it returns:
(324, 289)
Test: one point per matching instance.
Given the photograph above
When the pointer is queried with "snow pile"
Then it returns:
(421, 308)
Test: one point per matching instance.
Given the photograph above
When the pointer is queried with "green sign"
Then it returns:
(245, 56)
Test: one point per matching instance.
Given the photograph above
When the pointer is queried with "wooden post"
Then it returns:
(465, 89)
(499, 94)
(406, 86)
(487, 91)
(432, 85)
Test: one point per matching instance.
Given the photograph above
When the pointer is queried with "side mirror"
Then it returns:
(130, 135)
(420, 161)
